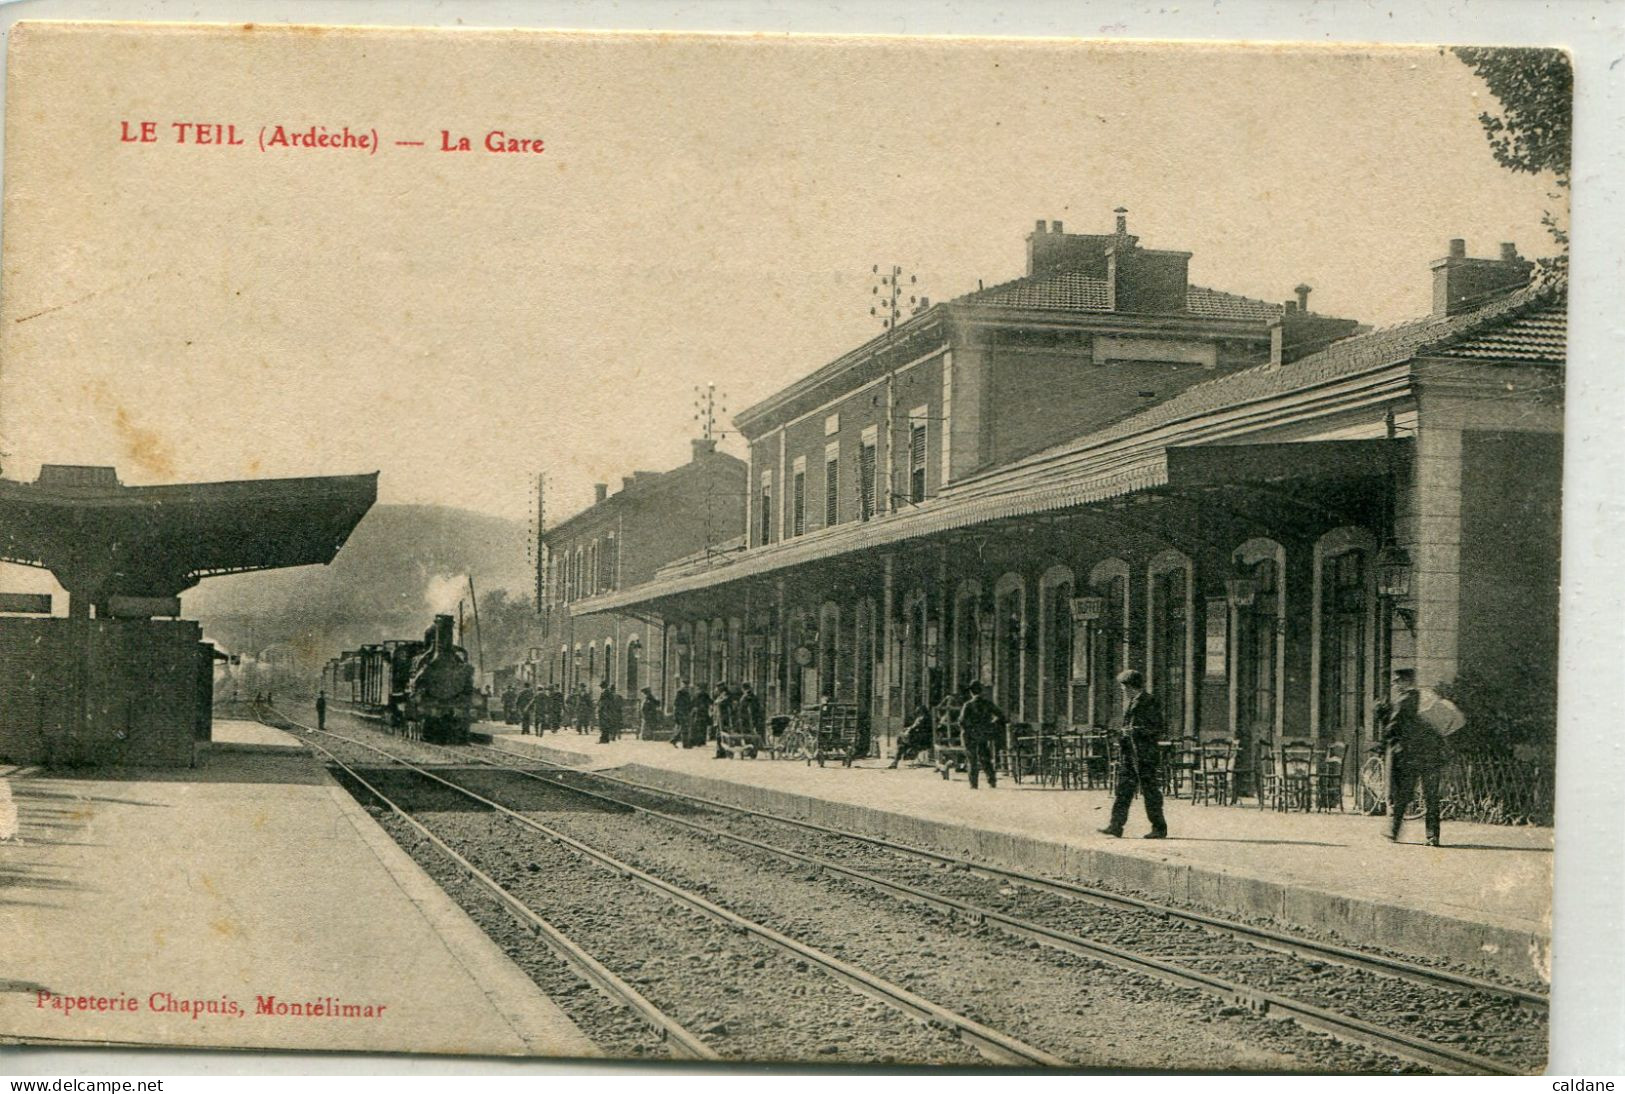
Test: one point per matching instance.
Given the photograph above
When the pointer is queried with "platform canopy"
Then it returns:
(103, 539)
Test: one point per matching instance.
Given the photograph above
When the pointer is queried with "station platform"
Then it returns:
(1481, 901)
(246, 903)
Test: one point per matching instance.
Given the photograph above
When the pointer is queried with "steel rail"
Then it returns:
(996, 1046)
(1264, 937)
(682, 1043)
(1429, 1053)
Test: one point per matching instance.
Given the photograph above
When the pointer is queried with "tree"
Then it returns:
(1533, 131)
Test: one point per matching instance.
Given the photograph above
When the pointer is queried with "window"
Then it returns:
(916, 461)
(832, 485)
(1342, 674)
(766, 534)
(591, 577)
(606, 564)
(1172, 648)
(798, 498)
(867, 472)
(1255, 657)
(832, 425)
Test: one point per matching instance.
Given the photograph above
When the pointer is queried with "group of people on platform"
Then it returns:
(549, 708)
(702, 717)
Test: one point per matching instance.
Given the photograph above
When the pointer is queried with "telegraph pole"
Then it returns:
(888, 307)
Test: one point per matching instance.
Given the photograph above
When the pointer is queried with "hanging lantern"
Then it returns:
(1394, 572)
(1241, 590)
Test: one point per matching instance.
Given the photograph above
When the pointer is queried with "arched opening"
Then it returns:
(1055, 591)
(967, 637)
(1345, 628)
(803, 667)
(1009, 639)
(634, 665)
(829, 652)
(1169, 582)
(1108, 639)
(700, 655)
(1257, 622)
(608, 674)
(863, 631)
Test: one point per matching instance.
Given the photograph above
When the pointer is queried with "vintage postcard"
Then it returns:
(880, 551)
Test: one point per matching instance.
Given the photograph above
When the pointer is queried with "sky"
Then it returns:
(705, 211)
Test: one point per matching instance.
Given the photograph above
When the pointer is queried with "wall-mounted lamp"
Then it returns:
(1394, 572)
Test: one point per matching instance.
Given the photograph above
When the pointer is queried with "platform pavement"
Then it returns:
(1483, 899)
(254, 875)
(240, 735)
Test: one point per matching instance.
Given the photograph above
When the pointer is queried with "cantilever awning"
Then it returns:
(102, 538)
(1022, 491)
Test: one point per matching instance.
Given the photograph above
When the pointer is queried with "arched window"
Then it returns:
(608, 676)
(1345, 624)
(700, 656)
(592, 663)
(967, 636)
(1256, 628)
(1055, 590)
(1009, 640)
(1108, 639)
(830, 684)
(634, 665)
(1169, 581)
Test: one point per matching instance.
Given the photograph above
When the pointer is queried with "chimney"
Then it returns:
(1289, 307)
(1461, 284)
(600, 491)
(702, 447)
(1055, 226)
(1122, 220)
(1038, 228)
(1277, 340)
(627, 481)
(1303, 292)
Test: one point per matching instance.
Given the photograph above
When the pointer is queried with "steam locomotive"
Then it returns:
(420, 689)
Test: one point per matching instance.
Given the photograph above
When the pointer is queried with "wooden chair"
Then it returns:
(1296, 764)
(1022, 759)
(1215, 773)
(1266, 773)
(1182, 767)
(1329, 776)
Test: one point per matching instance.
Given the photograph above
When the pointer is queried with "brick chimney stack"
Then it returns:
(600, 492)
(1303, 292)
(1462, 284)
(702, 447)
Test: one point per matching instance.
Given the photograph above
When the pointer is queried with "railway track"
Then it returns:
(1258, 969)
(990, 1043)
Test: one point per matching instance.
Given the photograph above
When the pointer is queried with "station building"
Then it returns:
(1099, 465)
(621, 541)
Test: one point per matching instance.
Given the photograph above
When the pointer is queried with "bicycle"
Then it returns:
(1373, 789)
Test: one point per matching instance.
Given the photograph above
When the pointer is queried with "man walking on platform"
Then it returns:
(1416, 753)
(978, 721)
(1139, 764)
(321, 710)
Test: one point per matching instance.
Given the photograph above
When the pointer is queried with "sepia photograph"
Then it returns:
(890, 551)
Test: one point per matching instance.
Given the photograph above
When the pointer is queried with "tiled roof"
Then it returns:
(1538, 335)
(1223, 305)
(1071, 291)
(1065, 290)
